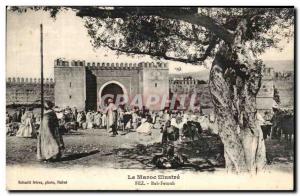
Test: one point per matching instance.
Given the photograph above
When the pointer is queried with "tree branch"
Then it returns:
(163, 55)
(192, 18)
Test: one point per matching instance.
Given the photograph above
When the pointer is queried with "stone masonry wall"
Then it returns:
(27, 91)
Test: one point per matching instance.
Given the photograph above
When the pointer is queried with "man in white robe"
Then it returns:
(111, 117)
(90, 120)
(97, 119)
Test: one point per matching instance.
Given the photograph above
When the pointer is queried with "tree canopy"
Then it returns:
(185, 34)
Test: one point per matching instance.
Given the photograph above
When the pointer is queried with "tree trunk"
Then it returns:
(234, 83)
(235, 80)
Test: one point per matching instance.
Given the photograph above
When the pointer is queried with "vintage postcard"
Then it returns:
(150, 98)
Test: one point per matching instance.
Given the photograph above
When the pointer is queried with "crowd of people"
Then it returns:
(125, 119)
(24, 122)
(175, 126)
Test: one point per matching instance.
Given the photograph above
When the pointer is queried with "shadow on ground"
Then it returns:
(94, 148)
(204, 154)
(75, 156)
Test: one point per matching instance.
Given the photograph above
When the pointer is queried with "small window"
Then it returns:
(155, 84)
(70, 84)
(70, 96)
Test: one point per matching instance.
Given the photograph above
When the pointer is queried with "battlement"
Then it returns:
(186, 81)
(110, 65)
(183, 81)
(107, 65)
(21, 80)
(154, 65)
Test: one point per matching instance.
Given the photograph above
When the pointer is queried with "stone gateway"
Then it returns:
(83, 84)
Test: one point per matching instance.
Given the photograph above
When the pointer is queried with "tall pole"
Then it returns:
(42, 74)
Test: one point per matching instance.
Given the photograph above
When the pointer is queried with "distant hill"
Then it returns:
(284, 65)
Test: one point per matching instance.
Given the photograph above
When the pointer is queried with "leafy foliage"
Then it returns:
(185, 34)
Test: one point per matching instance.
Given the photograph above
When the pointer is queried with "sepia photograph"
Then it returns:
(162, 98)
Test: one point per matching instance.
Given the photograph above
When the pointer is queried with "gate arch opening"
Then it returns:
(112, 87)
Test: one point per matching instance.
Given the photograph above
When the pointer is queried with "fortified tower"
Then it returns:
(70, 83)
(155, 84)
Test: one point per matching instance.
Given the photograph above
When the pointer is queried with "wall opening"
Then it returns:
(113, 89)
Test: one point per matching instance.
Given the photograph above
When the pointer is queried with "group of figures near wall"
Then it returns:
(55, 122)
(175, 127)
(22, 123)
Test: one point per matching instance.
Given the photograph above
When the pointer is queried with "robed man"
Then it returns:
(50, 142)
(111, 117)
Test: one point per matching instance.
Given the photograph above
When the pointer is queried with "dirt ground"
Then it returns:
(95, 147)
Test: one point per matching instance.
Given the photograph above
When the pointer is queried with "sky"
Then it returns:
(67, 37)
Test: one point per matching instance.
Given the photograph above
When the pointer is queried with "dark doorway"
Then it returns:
(113, 89)
(91, 91)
